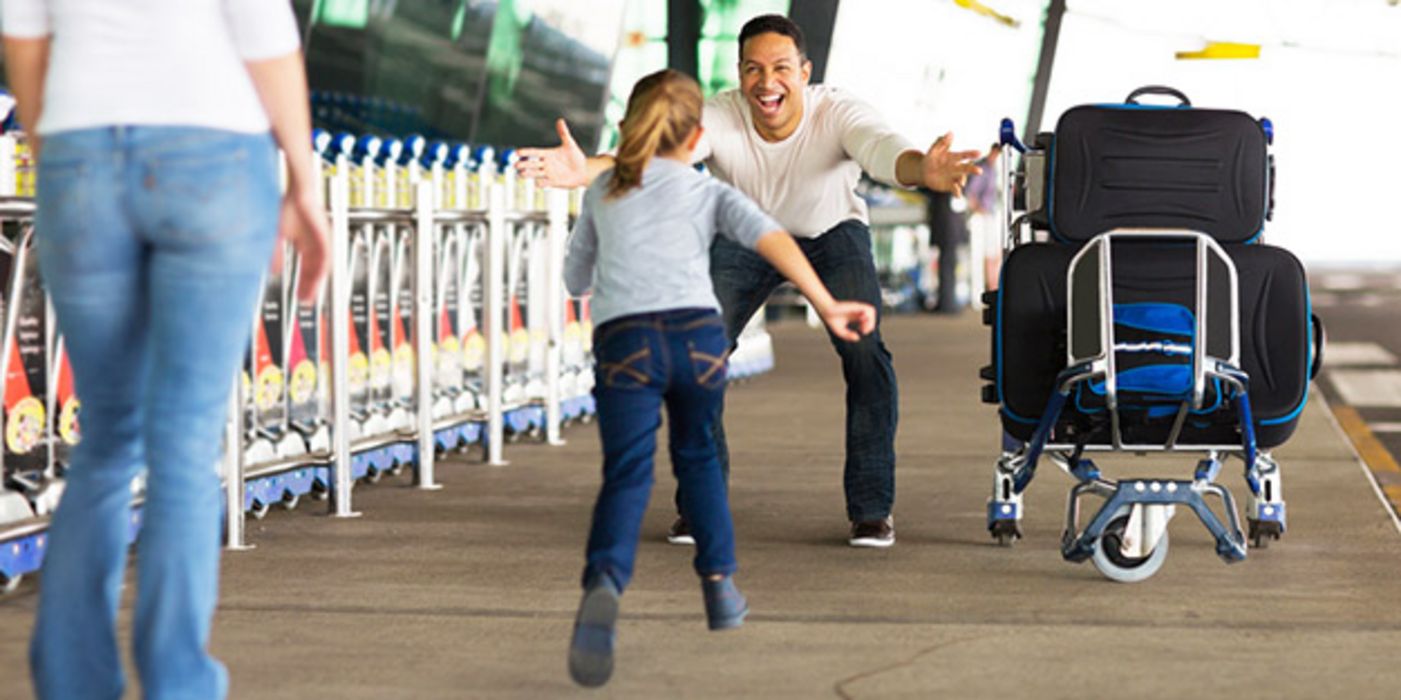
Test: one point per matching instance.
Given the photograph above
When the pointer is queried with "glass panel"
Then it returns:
(473, 70)
(641, 50)
(718, 50)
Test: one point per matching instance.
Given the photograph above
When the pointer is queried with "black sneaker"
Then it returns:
(873, 533)
(680, 532)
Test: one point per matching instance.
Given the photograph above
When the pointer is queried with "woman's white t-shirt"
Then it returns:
(153, 62)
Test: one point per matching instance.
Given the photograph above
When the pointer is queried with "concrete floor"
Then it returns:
(470, 591)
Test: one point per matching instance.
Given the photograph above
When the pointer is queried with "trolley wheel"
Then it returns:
(259, 510)
(319, 491)
(1111, 561)
(396, 468)
(290, 500)
(8, 584)
(586, 418)
(1005, 532)
(512, 437)
(372, 475)
(1262, 531)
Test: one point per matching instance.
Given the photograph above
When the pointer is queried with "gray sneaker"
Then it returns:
(591, 648)
(873, 533)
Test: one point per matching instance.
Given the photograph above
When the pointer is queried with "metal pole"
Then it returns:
(494, 308)
(425, 230)
(233, 471)
(557, 204)
(341, 482)
(1041, 85)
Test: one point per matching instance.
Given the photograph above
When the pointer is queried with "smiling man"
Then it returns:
(798, 150)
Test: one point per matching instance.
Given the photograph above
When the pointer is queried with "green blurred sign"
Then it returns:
(352, 14)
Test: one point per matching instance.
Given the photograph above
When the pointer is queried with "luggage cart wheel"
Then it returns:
(319, 492)
(372, 475)
(1111, 561)
(259, 510)
(1005, 532)
(8, 584)
(290, 500)
(1262, 531)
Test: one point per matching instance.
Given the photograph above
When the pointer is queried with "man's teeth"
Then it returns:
(770, 99)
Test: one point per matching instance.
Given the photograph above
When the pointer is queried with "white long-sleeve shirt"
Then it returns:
(808, 180)
(153, 62)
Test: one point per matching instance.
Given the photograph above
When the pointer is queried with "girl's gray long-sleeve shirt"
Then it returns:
(649, 249)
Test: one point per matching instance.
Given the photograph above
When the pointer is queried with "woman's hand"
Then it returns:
(302, 223)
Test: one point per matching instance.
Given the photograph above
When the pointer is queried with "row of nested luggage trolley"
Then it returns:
(432, 245)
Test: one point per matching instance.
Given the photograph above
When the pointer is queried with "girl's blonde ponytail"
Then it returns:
(663, 109)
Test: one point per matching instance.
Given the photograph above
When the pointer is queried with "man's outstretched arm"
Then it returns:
(939, 169)
(564, 165)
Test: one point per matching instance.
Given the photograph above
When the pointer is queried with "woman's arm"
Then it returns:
(26, 67)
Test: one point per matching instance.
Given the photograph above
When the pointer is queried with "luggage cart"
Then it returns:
(1129, 321)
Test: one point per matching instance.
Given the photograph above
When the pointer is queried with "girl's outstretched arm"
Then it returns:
(848, 320)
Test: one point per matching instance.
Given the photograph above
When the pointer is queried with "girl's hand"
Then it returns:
(849, 320)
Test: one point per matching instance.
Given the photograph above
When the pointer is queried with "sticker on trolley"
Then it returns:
(519, 348)
(271, 381)
(24, 425)
(403, 368)
(585, 326)
(473, 351)
(68, 403)
(303, 385)
(24, 415)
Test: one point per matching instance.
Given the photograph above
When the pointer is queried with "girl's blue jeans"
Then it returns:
(152, 243)
(674, 359)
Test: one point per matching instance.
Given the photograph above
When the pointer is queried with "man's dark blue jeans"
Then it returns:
(842, 258)
(672, 358)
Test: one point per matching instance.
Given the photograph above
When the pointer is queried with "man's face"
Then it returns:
(772, 76)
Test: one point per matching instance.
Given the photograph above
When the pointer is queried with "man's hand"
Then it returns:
(849, 320)
(943, 170)
(302, 222)
(562, 166)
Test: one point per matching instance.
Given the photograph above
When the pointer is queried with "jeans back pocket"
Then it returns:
(709, 355)
(625, 360)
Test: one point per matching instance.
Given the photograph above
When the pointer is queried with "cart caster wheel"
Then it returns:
(290, 500)
(259, 510)
(1005, 532)
(8, 584)
(372, 476)
(319, 492)
(586, 419)
(1262, 531)
(1111, 561)
(513, 438)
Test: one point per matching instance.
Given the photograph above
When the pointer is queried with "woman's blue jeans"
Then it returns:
(152, 242)
(674, 359)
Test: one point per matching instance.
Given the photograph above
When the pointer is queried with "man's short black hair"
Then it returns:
(776, 24)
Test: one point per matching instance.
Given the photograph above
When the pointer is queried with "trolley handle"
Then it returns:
(1157, 90)
(1320, 340)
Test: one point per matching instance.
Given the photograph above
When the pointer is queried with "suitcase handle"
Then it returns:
(1157, 90)
(1320, 339)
